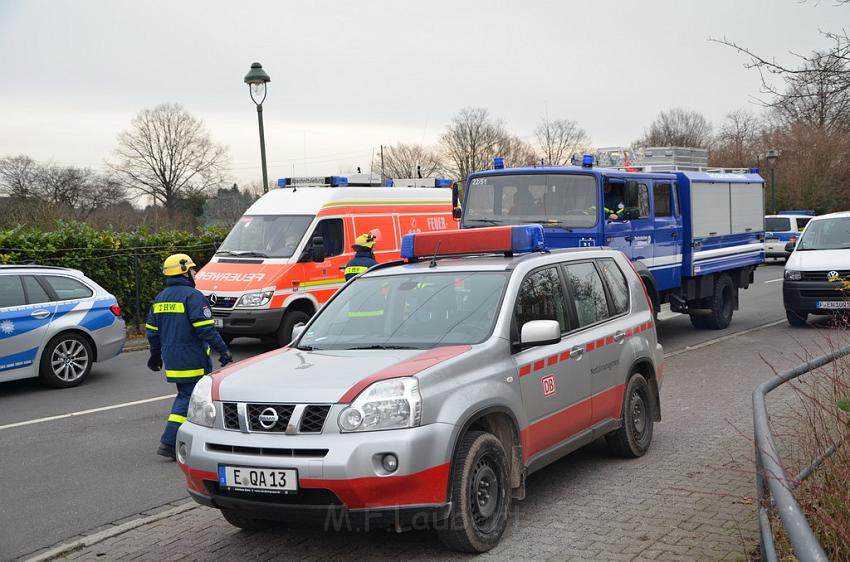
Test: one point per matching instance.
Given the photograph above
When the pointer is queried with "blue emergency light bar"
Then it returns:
(438, 182)
(510, 240)
(587, 161)
(332, 181)
(498, 163)
(807, 213)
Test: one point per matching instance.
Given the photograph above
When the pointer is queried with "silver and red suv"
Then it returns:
(425, 393)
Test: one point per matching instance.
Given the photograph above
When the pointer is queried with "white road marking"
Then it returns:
(84, 412)
(723, 338)
(774, 280)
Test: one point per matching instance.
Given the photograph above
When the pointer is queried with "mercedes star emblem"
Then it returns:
(268, 418)
(213, 300)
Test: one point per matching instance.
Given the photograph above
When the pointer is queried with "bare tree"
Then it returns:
(559, 140)
(18, 176)
(403, 161)
(470, 141)
(738, 141)
(816, 91)
(515, 151)
(168, 155)
(678, 127)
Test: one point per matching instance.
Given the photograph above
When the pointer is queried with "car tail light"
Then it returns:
(115, 309)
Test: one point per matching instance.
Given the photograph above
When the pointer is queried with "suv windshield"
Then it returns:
(826, 234)
(266, 236)
(777, 224)
(565, 200)
(413, 311)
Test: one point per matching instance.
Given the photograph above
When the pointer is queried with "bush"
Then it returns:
(115, 260)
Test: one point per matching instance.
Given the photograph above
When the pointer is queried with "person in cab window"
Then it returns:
(614, 205)
(364, 256)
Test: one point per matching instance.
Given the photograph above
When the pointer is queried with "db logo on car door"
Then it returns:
(548, 385)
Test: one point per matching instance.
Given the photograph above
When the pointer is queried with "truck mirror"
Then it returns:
(317, 252)
(631, 213)
(457, 212)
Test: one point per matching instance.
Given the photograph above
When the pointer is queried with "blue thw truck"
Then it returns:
(695, 237)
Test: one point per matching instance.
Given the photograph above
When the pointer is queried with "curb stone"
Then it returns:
(91, 540)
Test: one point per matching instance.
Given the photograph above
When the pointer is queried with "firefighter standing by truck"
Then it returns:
(182, 335)
(364, 256)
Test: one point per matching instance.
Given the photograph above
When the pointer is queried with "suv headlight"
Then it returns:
(201, 407)
(792, 275)
(389, 404)
(257, 299)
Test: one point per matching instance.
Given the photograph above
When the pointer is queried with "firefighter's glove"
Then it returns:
(225, 358)
(155, 362)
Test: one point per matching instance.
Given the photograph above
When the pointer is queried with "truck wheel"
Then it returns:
(722, 303)
(66, 361)
(481, 495)
(238, 519)
(698, 322)
(795, 318)
(290, 320)
(633, 439)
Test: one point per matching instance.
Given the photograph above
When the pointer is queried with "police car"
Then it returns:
(783, 228)
(54, 324)
(425, 393)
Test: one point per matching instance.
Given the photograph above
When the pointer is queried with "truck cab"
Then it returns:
(695, 237)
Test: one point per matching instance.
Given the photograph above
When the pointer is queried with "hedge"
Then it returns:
(114, 260)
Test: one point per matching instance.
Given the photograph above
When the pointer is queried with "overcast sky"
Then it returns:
(350, 75)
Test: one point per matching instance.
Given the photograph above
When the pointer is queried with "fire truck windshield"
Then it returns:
(553, 200)
(266, 236)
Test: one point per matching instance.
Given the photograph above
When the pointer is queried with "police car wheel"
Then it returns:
(66, 361)
(292, 319)
(239, 519)
(480, 492)
(633, 439)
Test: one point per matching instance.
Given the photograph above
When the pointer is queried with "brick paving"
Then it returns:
(689, 498)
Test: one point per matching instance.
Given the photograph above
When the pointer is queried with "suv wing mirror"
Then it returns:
(540, 332)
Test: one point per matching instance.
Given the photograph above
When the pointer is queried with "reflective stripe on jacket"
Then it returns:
(361, 261)
(181, 328)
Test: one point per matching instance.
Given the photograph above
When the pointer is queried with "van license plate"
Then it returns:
(833, 305)
(275, 480)
(771, 240)
(218, 322)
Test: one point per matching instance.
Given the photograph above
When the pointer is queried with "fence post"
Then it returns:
(138, 275)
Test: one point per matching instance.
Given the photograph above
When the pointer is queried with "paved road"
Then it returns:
(68, 476)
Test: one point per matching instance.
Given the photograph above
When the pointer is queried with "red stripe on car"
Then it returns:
(406, 368)
(525, 370)
(553, 359)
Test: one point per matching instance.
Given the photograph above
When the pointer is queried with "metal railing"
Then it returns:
(774, 487)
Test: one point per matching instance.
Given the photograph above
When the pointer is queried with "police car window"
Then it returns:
(541, 297)
(11, 291)
(416, 311)
(801, 223)
(332, 235)
(663, 195)
(588, 293)
(617, 286)
(67, 288)
(777, 224)
(35, 292)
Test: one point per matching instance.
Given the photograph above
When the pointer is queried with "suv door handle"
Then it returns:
(619, 336)
(577, 352)
(40, 314)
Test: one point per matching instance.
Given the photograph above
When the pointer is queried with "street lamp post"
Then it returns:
(772, 157)
(257, 80)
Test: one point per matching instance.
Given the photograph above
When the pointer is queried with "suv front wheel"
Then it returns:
(481, 495)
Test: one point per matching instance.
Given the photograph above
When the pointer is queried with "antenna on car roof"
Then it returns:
(434, 258)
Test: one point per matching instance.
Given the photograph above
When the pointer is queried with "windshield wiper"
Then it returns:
(250, 253)
(307, 348)
(222, 252)
(488, 221)
(549, 222)
(377, 346)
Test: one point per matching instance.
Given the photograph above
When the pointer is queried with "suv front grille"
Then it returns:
(313, 418)
(822, 275)
(282, 411)
(231, 415)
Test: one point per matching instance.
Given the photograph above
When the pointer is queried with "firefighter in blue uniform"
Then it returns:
(182, 335)
(364, 258)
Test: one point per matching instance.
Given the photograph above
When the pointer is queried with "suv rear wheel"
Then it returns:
(481, 495)
(633, 439)
(66, 361)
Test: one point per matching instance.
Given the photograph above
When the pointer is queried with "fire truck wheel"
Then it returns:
(238, 519)
(632, 440)
(292, 319)
(481, 495)
(722, 304)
